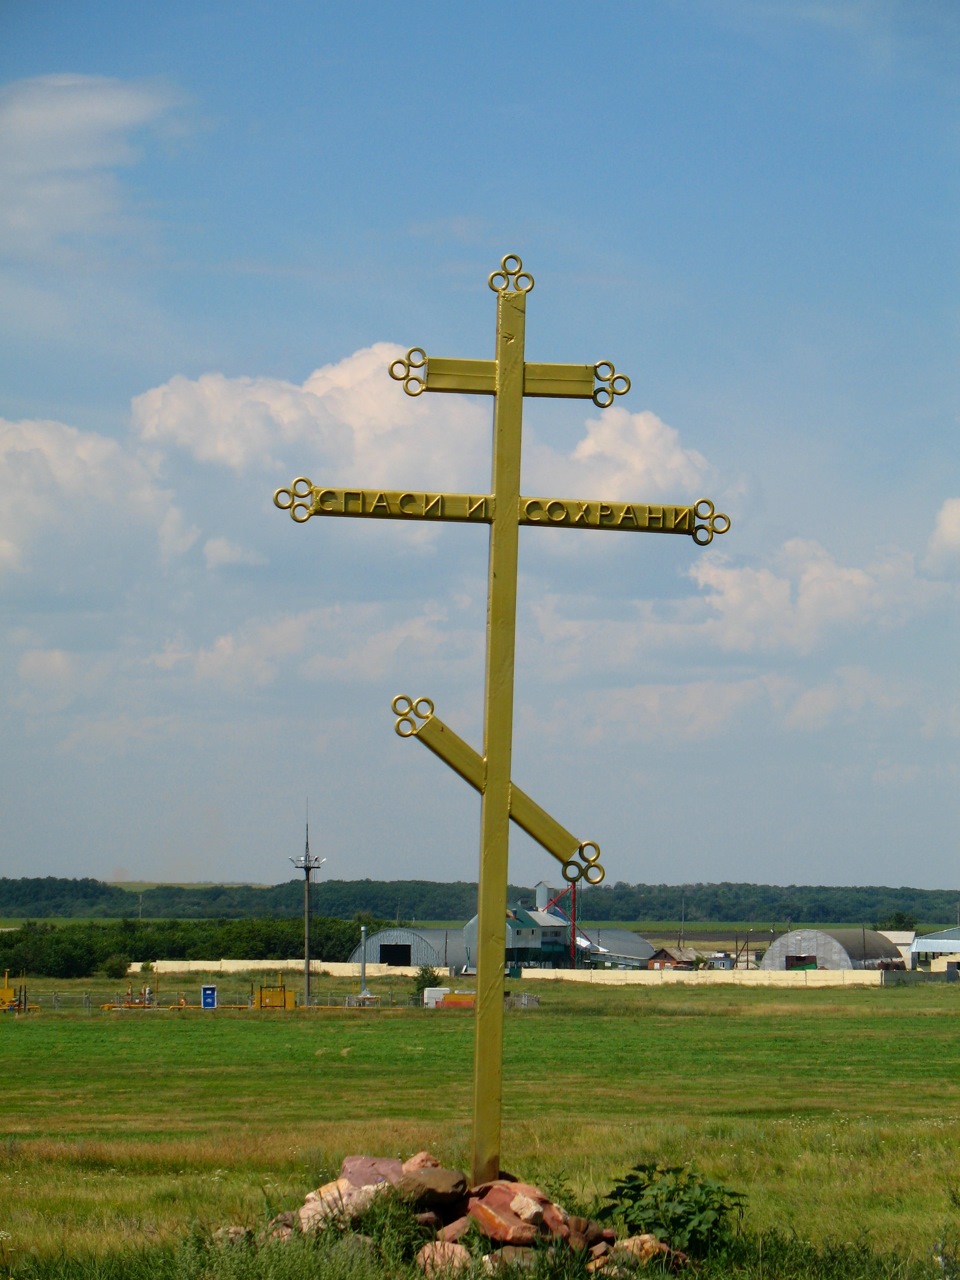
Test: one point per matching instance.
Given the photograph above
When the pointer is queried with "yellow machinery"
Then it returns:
(9, 998)
(14, 999)
(145, 998)
(278, 997)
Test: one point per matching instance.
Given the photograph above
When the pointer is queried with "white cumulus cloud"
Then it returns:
(352, 425)
(805, 598)
(348, 423)
(78, 486)
(219, 552)
(682, 711)
(845, 696)
(355, 642)
(622, 457)
(51, 680)
(61, 139)
(943, 549)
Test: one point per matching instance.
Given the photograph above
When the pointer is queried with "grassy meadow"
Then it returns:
(836, 1112)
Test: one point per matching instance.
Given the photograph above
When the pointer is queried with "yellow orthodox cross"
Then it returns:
(508, 378)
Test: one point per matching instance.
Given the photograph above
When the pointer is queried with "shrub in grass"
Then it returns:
(426, 977)
(116, 966)
(678, 1205)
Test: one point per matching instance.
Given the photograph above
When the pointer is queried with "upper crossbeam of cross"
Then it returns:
(508, 378)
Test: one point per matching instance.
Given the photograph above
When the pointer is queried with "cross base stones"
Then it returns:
(513, 1222)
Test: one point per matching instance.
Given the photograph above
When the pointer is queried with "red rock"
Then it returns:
(584, 1233)
(367, 1171)
(500, 1225)
(422, 1160)
(490, 1208)
(454, 1230)
(497, 1222)
(508, 1188)
(555, 1221)
(441, 1256)
(516, 1213)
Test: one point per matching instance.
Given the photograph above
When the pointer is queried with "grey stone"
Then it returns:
(428, 1187)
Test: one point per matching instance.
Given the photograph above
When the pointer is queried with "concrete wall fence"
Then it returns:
(335, 969)
(712, 977)
(598, 977)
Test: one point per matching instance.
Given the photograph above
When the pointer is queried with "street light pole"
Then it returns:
(306, 864)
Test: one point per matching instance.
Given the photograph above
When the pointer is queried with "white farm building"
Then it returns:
(832, 949)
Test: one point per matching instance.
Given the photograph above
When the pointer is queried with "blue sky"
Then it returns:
(218, 226)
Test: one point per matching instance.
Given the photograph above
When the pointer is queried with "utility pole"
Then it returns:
(306, 864)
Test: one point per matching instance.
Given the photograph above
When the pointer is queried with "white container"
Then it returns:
(433, 995)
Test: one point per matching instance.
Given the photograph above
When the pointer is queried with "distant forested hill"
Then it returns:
(29, 899)
(407, 900)
(412, 900)
(772, 904)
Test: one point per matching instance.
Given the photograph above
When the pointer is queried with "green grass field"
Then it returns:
(835, 1111)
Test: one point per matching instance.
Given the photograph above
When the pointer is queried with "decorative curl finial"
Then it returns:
(292, 499)
(407, 370)
(511, 277)
(611, 384)
(589, 869)
(714, 521)
(408, 711)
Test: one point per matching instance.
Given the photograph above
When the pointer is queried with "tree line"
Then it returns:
(411, 900)
(80, 950)
(406, 900)
(779, 905)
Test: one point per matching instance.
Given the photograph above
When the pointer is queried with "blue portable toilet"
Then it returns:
(208, 997)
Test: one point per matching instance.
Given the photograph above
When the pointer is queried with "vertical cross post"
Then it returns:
(498, 734)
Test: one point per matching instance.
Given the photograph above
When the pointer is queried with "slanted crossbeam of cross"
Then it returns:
(508, 378)
(416, 719)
